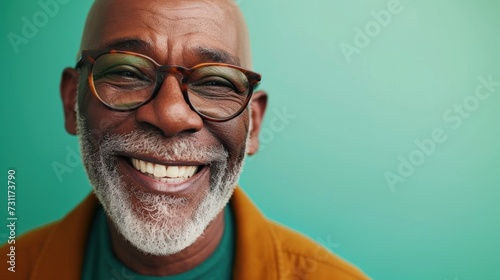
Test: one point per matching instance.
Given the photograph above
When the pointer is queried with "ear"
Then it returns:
(258, 107)
(68, 88)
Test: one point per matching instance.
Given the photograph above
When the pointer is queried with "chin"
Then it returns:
(158, 217)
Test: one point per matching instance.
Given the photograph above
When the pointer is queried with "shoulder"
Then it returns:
(22, 253)
(30, 243)
(305, 259)
(267, 250)
(54, 249)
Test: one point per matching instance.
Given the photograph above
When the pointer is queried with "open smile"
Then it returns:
(175, 177)
(165, 173)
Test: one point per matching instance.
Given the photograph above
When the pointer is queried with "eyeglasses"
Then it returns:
(124, 81)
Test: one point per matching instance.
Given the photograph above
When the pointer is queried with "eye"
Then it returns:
(126, 74)
(217, 81)
(214, 81)
(123, 72)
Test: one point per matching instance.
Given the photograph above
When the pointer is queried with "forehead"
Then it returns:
(173, 30)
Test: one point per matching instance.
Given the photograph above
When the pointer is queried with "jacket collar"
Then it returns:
(256, 250)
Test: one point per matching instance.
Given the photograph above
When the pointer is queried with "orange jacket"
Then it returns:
(264, 249)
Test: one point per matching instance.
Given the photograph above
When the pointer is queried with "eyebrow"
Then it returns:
(216, 55)
(206, 54)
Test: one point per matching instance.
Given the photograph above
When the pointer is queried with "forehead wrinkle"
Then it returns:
(160, 17)
(223, 16)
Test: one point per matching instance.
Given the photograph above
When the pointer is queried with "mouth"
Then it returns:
(166, 178)
(165, 173)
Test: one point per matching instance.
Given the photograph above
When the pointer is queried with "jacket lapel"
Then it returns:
(257, 254)
(63, 254)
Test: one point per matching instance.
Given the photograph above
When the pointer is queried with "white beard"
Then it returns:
(159, 224)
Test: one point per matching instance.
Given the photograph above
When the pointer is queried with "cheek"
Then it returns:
(232, 134)
(99, 120)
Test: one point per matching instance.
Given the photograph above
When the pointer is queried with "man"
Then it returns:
(162, 101)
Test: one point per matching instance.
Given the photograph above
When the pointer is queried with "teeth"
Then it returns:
(143, 166)
(172, 172)
(160, 171)
(163, 172)
(182, 171)
(150, 168)
(193, 170)
(190, 170)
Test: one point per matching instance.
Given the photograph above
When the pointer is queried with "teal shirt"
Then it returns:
(101, 263)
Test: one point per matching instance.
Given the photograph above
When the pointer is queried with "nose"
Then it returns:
(169, 111)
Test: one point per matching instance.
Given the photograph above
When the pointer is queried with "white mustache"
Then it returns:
(181, 148)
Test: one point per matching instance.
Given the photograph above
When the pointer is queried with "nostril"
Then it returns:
(168, 117)
(191, 130)
(149, 129)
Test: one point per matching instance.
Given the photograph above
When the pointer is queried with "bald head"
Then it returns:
(172, 32)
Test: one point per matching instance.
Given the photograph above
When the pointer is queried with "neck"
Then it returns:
(180, 262)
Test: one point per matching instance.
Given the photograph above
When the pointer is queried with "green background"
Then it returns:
(322, 169)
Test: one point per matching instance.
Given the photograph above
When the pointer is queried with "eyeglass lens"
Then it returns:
(125, 81)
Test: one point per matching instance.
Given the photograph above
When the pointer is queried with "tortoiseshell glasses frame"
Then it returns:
(124, 81)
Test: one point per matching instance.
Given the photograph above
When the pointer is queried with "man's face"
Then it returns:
(162, 214)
